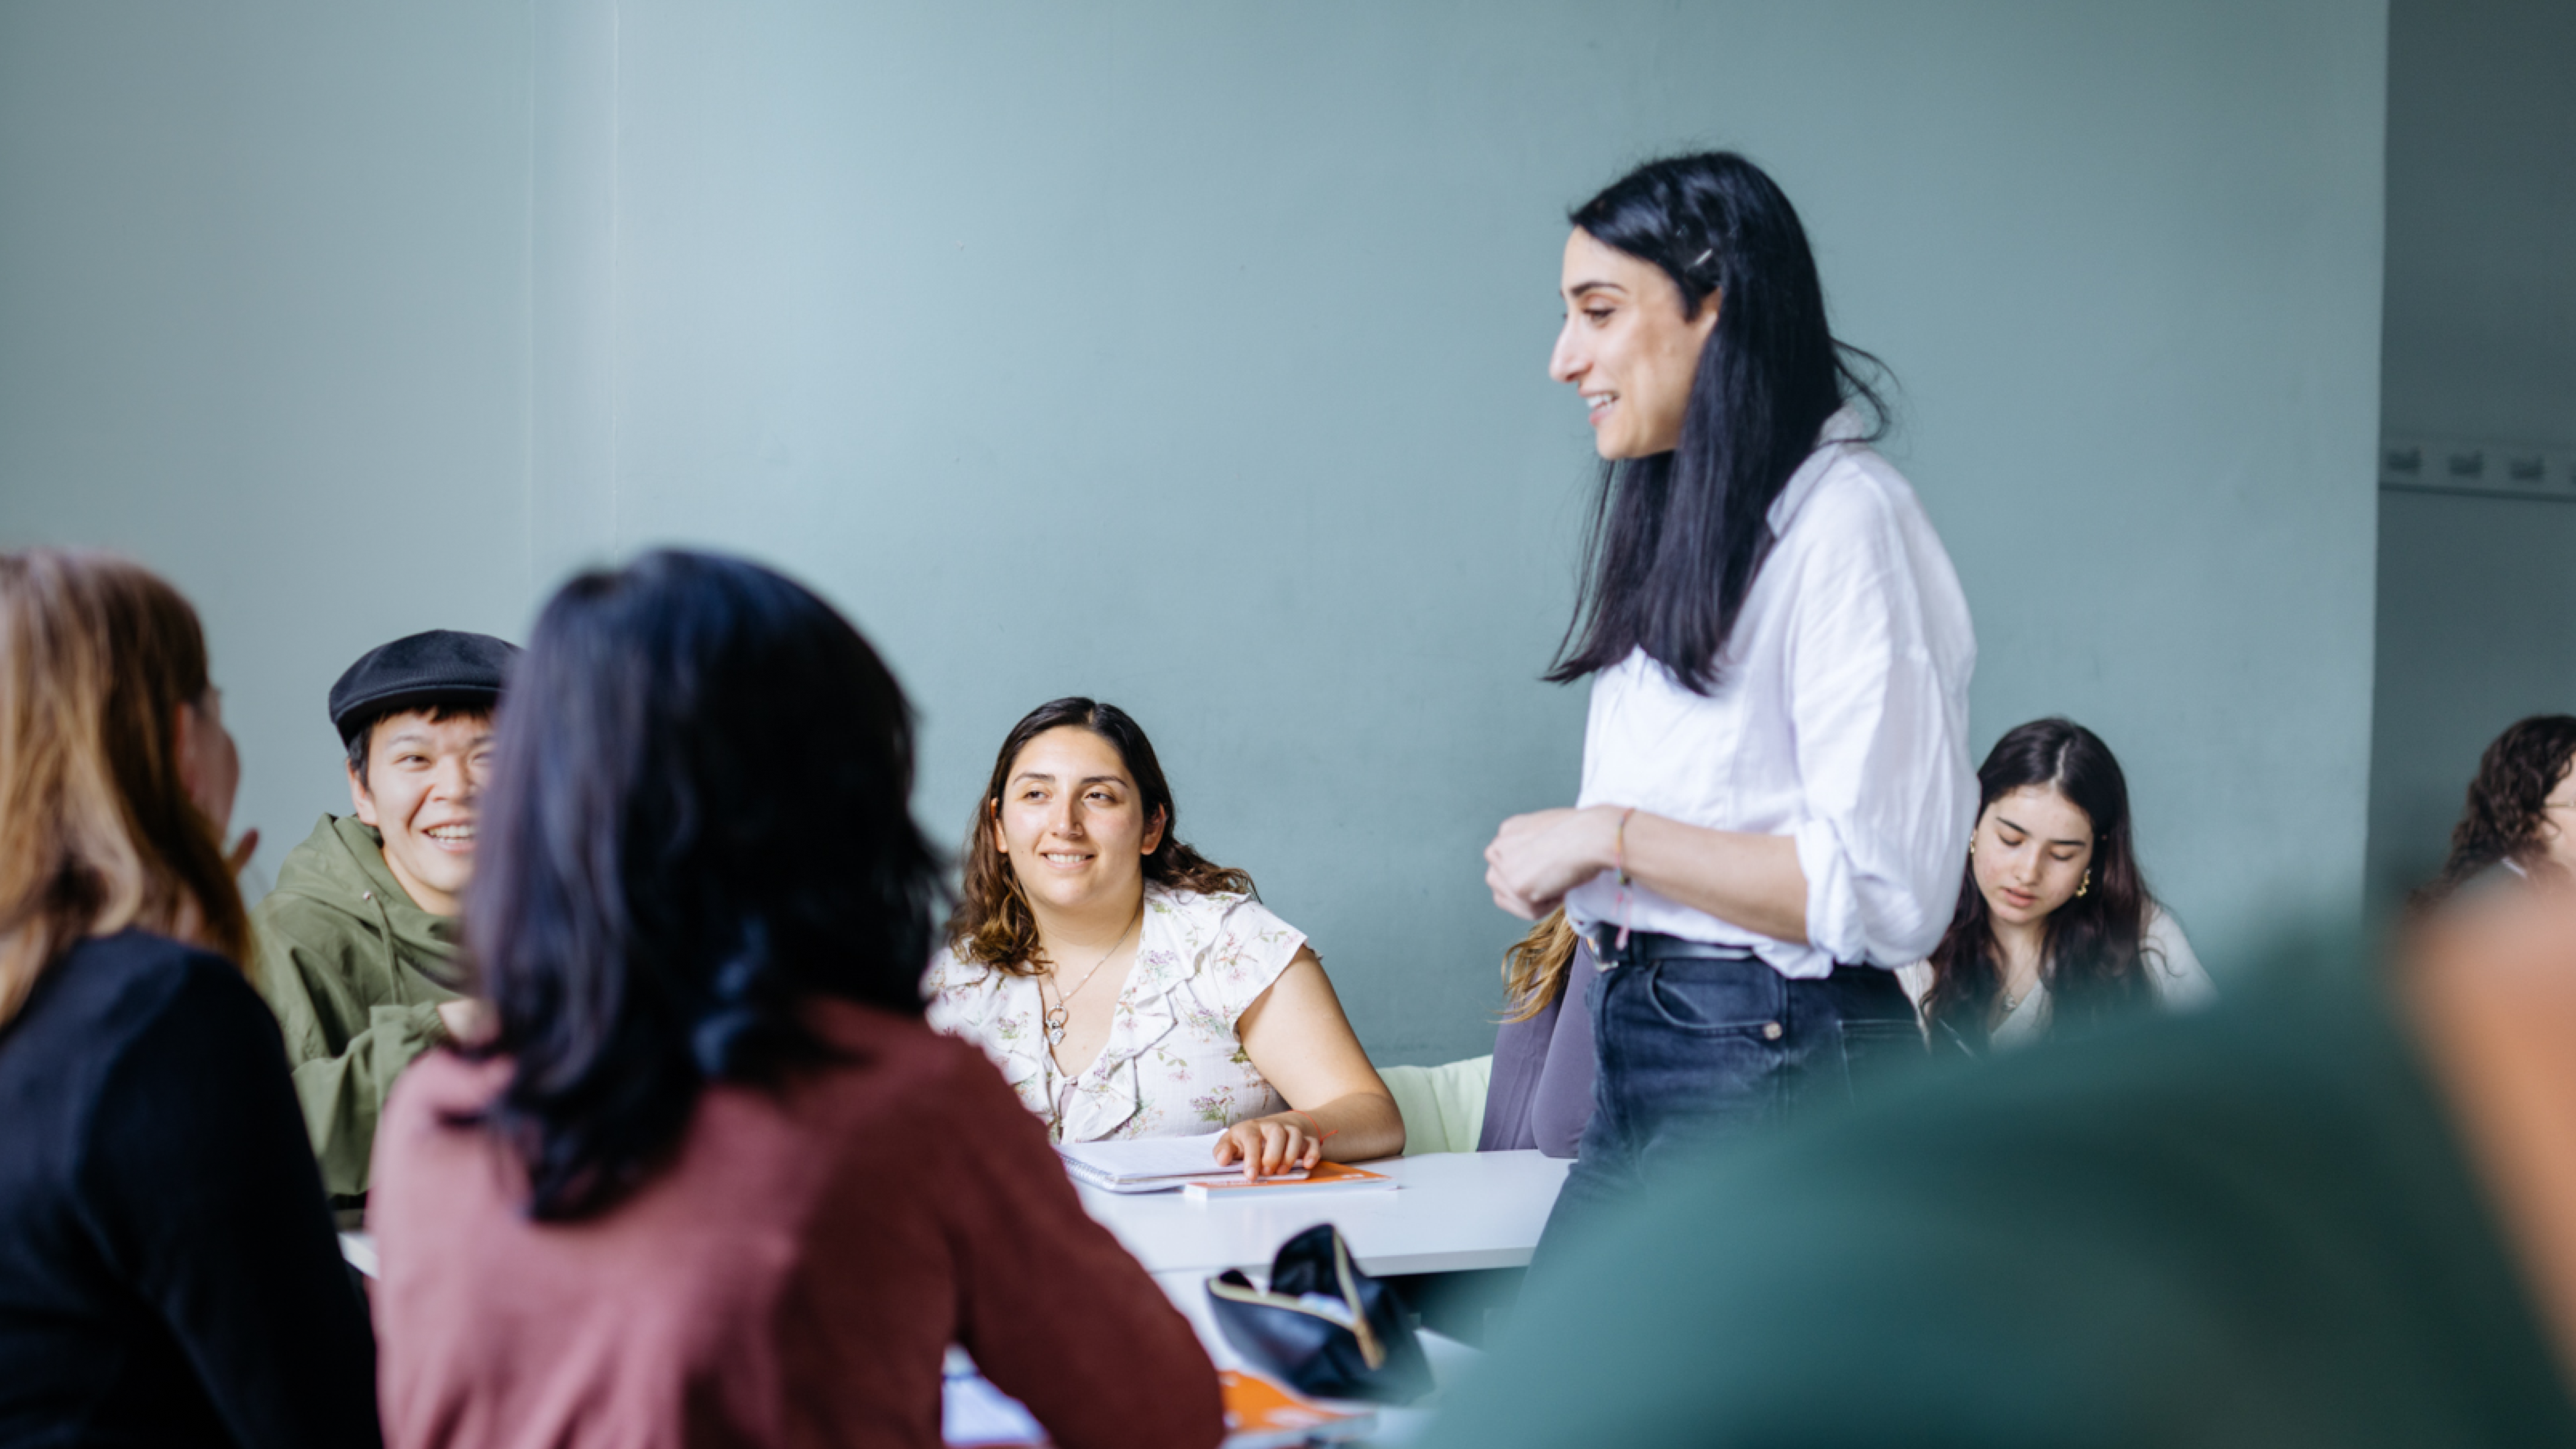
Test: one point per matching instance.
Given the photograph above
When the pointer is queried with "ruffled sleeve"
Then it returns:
(1239, 948)
(951, 1008)
(971, 1002)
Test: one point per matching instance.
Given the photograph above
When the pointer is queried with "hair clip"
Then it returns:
(1701, 260)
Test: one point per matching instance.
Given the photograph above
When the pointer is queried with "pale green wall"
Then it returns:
(2474, 633)
(2481, 300)
(2477, 596)
(1193, 356)
(264, 325)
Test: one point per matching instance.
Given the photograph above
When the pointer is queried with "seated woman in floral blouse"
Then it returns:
(1127, 985)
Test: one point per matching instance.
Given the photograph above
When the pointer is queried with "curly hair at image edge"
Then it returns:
(2505, 809)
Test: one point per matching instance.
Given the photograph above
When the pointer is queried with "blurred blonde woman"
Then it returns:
(168, 1273)
(1541, 1091)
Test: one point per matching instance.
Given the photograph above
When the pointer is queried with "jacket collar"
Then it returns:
(342, 865)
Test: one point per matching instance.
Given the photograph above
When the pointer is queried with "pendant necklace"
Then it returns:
(1056, 1017)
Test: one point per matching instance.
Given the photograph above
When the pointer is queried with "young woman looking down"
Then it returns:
(2054, 925)
(1127, 985)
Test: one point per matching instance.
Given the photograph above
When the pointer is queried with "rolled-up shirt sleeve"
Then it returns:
(1879, 712)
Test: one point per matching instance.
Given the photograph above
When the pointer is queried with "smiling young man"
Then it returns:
(358, 942)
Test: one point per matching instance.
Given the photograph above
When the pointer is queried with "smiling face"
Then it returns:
(1072, 823)
(1627, 347)
(422, 781)
(2033, 847)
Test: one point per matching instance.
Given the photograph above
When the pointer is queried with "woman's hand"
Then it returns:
(1268, 1146)
(1754, 881)
(1297, 1037)
(1536, 858)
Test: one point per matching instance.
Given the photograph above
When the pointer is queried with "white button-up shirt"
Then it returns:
(1840, 717)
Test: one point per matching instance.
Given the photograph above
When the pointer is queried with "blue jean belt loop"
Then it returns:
(1598, 938)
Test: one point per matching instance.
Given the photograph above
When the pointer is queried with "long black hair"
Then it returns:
(1676, 538)
(2093, 946)
(698, 821)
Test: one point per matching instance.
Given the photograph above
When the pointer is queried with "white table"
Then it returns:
(1450, 1212)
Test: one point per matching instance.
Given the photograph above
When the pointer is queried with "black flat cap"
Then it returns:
(420, 671)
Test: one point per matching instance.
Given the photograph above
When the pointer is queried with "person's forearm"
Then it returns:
(1356, 1127)
(342, 1096)
(1753, 881)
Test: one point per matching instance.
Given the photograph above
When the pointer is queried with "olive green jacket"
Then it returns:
(354, 971)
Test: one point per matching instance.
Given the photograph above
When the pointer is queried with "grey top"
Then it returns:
(1541, 1092)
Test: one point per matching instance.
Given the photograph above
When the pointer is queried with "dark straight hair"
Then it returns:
(698, 822)
(1676, 539)
(2093, 948)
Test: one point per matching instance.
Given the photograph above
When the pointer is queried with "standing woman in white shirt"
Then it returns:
(2055, 926)
(1776, 795)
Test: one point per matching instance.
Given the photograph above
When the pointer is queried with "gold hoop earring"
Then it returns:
(2085, 884)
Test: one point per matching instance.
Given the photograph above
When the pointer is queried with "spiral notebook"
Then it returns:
(1152, 1164)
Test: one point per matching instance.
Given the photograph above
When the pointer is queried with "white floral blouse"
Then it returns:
(1173, 1065)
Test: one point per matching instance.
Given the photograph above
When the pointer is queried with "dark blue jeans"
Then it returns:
(1692, 1051)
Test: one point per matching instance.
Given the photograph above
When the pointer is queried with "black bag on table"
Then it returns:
(1363, 1350)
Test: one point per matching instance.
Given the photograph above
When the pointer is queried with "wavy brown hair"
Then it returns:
(2502, 817)
(97, 831)
(992, 923)
(1534, 968)
(2094, 945)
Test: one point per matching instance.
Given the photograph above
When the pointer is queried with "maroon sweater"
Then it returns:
(791, 1279)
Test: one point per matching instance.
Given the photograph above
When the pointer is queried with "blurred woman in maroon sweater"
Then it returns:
(709, 1179)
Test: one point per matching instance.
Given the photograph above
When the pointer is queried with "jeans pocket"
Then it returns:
(1877, 1048)
(1718, 997)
